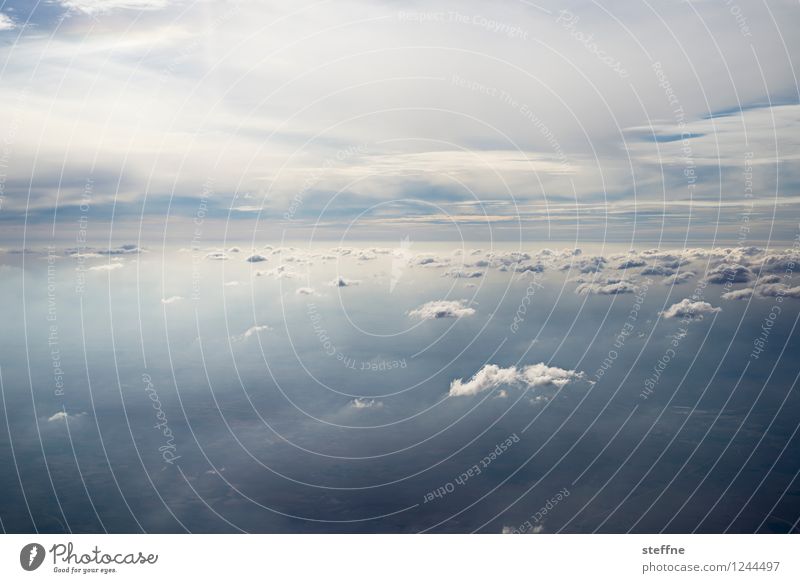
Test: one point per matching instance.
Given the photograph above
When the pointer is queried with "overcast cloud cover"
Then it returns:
(403, 115)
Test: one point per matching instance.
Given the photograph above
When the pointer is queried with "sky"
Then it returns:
(395, 266)
(536, 120)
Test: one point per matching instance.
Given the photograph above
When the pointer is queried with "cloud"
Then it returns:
(340, 281)
(768, 290)
(442, 309)
(106, 267)
(689, 309)
(738, 294)
(217, 256)
(171, 299)
(99, 6)
(774, 290)
(6, 23)
(233, 283)
(360, 403)
(305, 291)
(492, 376)
(63, 416)
(256, 258)
(459, 274)
(725, 273)
(610, 288)
(679, 278)
(252, 331)
(127, 249)
(631, 263)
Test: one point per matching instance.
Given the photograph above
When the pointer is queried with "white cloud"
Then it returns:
(679, 278)
(62, 416)
(609, 288)
(106, 267)
(250, 332)
(256, 258)
(738, 294)
(492, 376)
(442, 309)
(689, 309)
(217, 256)
(768, 290)
(99, 6)
(305, 291)
(171, 299)
(6, 23)
(360, 403)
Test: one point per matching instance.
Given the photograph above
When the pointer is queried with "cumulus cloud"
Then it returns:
(610, 288)
(726, 273)
(586, 265)
(492, 376)
(679, 278)
(738, 294)
(305, 291)
(171, 299)
(360, 403)
(630, 263)
(217, 256)
(689, 309)
(442, 309)
(256, 258)
(769, 290)
(340, 281)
